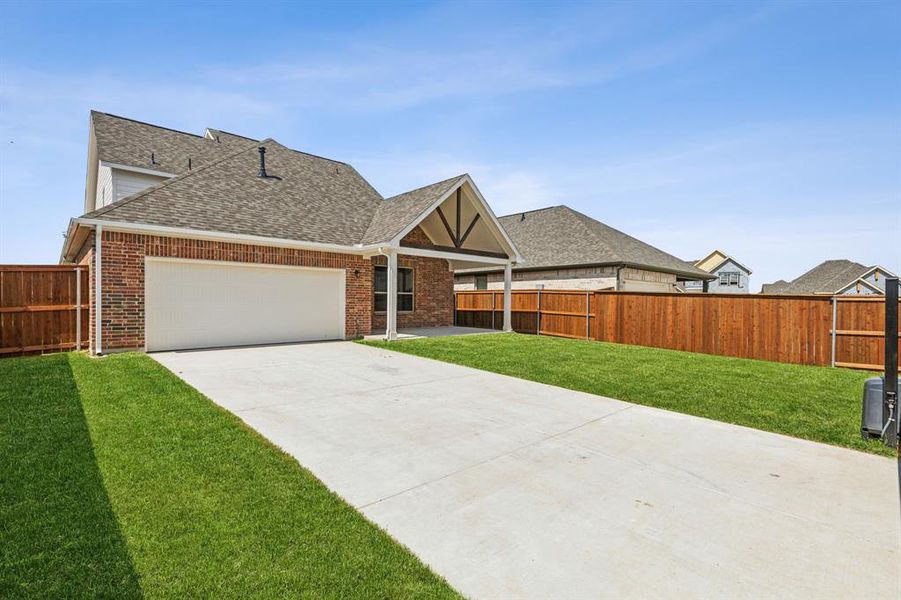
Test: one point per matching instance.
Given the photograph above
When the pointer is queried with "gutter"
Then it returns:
(180, 232)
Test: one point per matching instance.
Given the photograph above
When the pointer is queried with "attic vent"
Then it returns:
(153, 158)
(262, 172)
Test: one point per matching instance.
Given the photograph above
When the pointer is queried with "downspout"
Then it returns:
(98, 314)
(616, 283)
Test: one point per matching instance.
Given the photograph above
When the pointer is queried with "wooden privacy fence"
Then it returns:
(43, 308)
(790, 329)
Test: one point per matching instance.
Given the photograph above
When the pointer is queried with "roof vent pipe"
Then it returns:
(262, 172)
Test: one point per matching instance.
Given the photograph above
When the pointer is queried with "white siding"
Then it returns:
(126, 183)
(104, 187)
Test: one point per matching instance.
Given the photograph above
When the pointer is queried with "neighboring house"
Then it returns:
(564, 249)
(732, 277)
(834, 277)
(220, 240)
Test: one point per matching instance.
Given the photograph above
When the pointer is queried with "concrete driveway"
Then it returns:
(515, 489)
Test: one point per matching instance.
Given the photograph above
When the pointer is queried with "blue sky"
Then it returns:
(770, 130)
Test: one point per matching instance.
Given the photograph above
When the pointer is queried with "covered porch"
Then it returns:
(453, 224)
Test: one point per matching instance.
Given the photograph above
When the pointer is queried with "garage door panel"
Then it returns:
(202, 304)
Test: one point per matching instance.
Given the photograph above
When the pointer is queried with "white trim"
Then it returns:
(200, 234)
(450, 255)
(508, 297)
(256, 240)
(142, 170)
(77, 309)
(399, 293)
(511, 248)
(877, 268)
(391, 300)
(874, 288)
(98, 290)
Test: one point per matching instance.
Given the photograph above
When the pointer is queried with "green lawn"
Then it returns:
(816, 403)
(117, 479)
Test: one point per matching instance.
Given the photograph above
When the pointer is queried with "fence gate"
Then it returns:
(43, 308)
(859, 332)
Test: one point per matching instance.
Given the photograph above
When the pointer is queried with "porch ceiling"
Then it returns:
(460, 224)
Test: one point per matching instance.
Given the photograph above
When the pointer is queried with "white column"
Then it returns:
(391, 330)
(508, 286)
(98, 290)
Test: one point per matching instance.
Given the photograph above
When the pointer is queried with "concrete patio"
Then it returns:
(430, 332)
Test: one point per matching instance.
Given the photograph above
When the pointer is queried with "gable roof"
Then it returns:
(827, 277)
(559, 236)
(313, 199)
(717, 259)
(396, 212)
(213, 187)
(133, 143)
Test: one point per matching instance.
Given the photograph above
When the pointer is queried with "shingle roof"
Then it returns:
(397, 212)
(826, 278)
(136, 144)
(315, 199)
(560, 236)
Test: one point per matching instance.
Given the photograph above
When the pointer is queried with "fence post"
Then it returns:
(455, 309)
(834, 321)
(587, 315)
(78, 309)
(538, 315)
(493, 306)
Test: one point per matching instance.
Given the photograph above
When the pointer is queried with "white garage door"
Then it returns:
(205, 304)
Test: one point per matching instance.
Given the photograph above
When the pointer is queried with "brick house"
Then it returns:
(217, 240)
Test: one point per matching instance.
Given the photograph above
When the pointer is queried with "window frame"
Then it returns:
(411, 293)
(729, 278)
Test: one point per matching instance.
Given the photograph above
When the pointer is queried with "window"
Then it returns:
(481, 282)
(730, 278)
(404, 289)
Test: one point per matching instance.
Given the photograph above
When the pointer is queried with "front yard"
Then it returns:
(119, 480)
(815, 403)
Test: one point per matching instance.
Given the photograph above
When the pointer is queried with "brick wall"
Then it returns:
(123, 279)
(433, 289)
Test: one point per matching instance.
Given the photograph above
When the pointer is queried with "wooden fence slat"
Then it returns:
(38, 307)
(791, 329)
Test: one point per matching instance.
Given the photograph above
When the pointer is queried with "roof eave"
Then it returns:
(183, 232)
(690, 276)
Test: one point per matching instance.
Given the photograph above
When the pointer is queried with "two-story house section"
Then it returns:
(119, 167)
(732, 277)
(835, 277)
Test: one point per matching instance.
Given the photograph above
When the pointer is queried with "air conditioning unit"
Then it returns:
(874, 419)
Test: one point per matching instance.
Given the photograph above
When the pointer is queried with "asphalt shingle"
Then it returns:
(826, 278)
(314, 199)
(559, 236)
(136, 144)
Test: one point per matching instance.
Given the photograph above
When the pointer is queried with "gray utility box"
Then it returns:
(871, 421)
